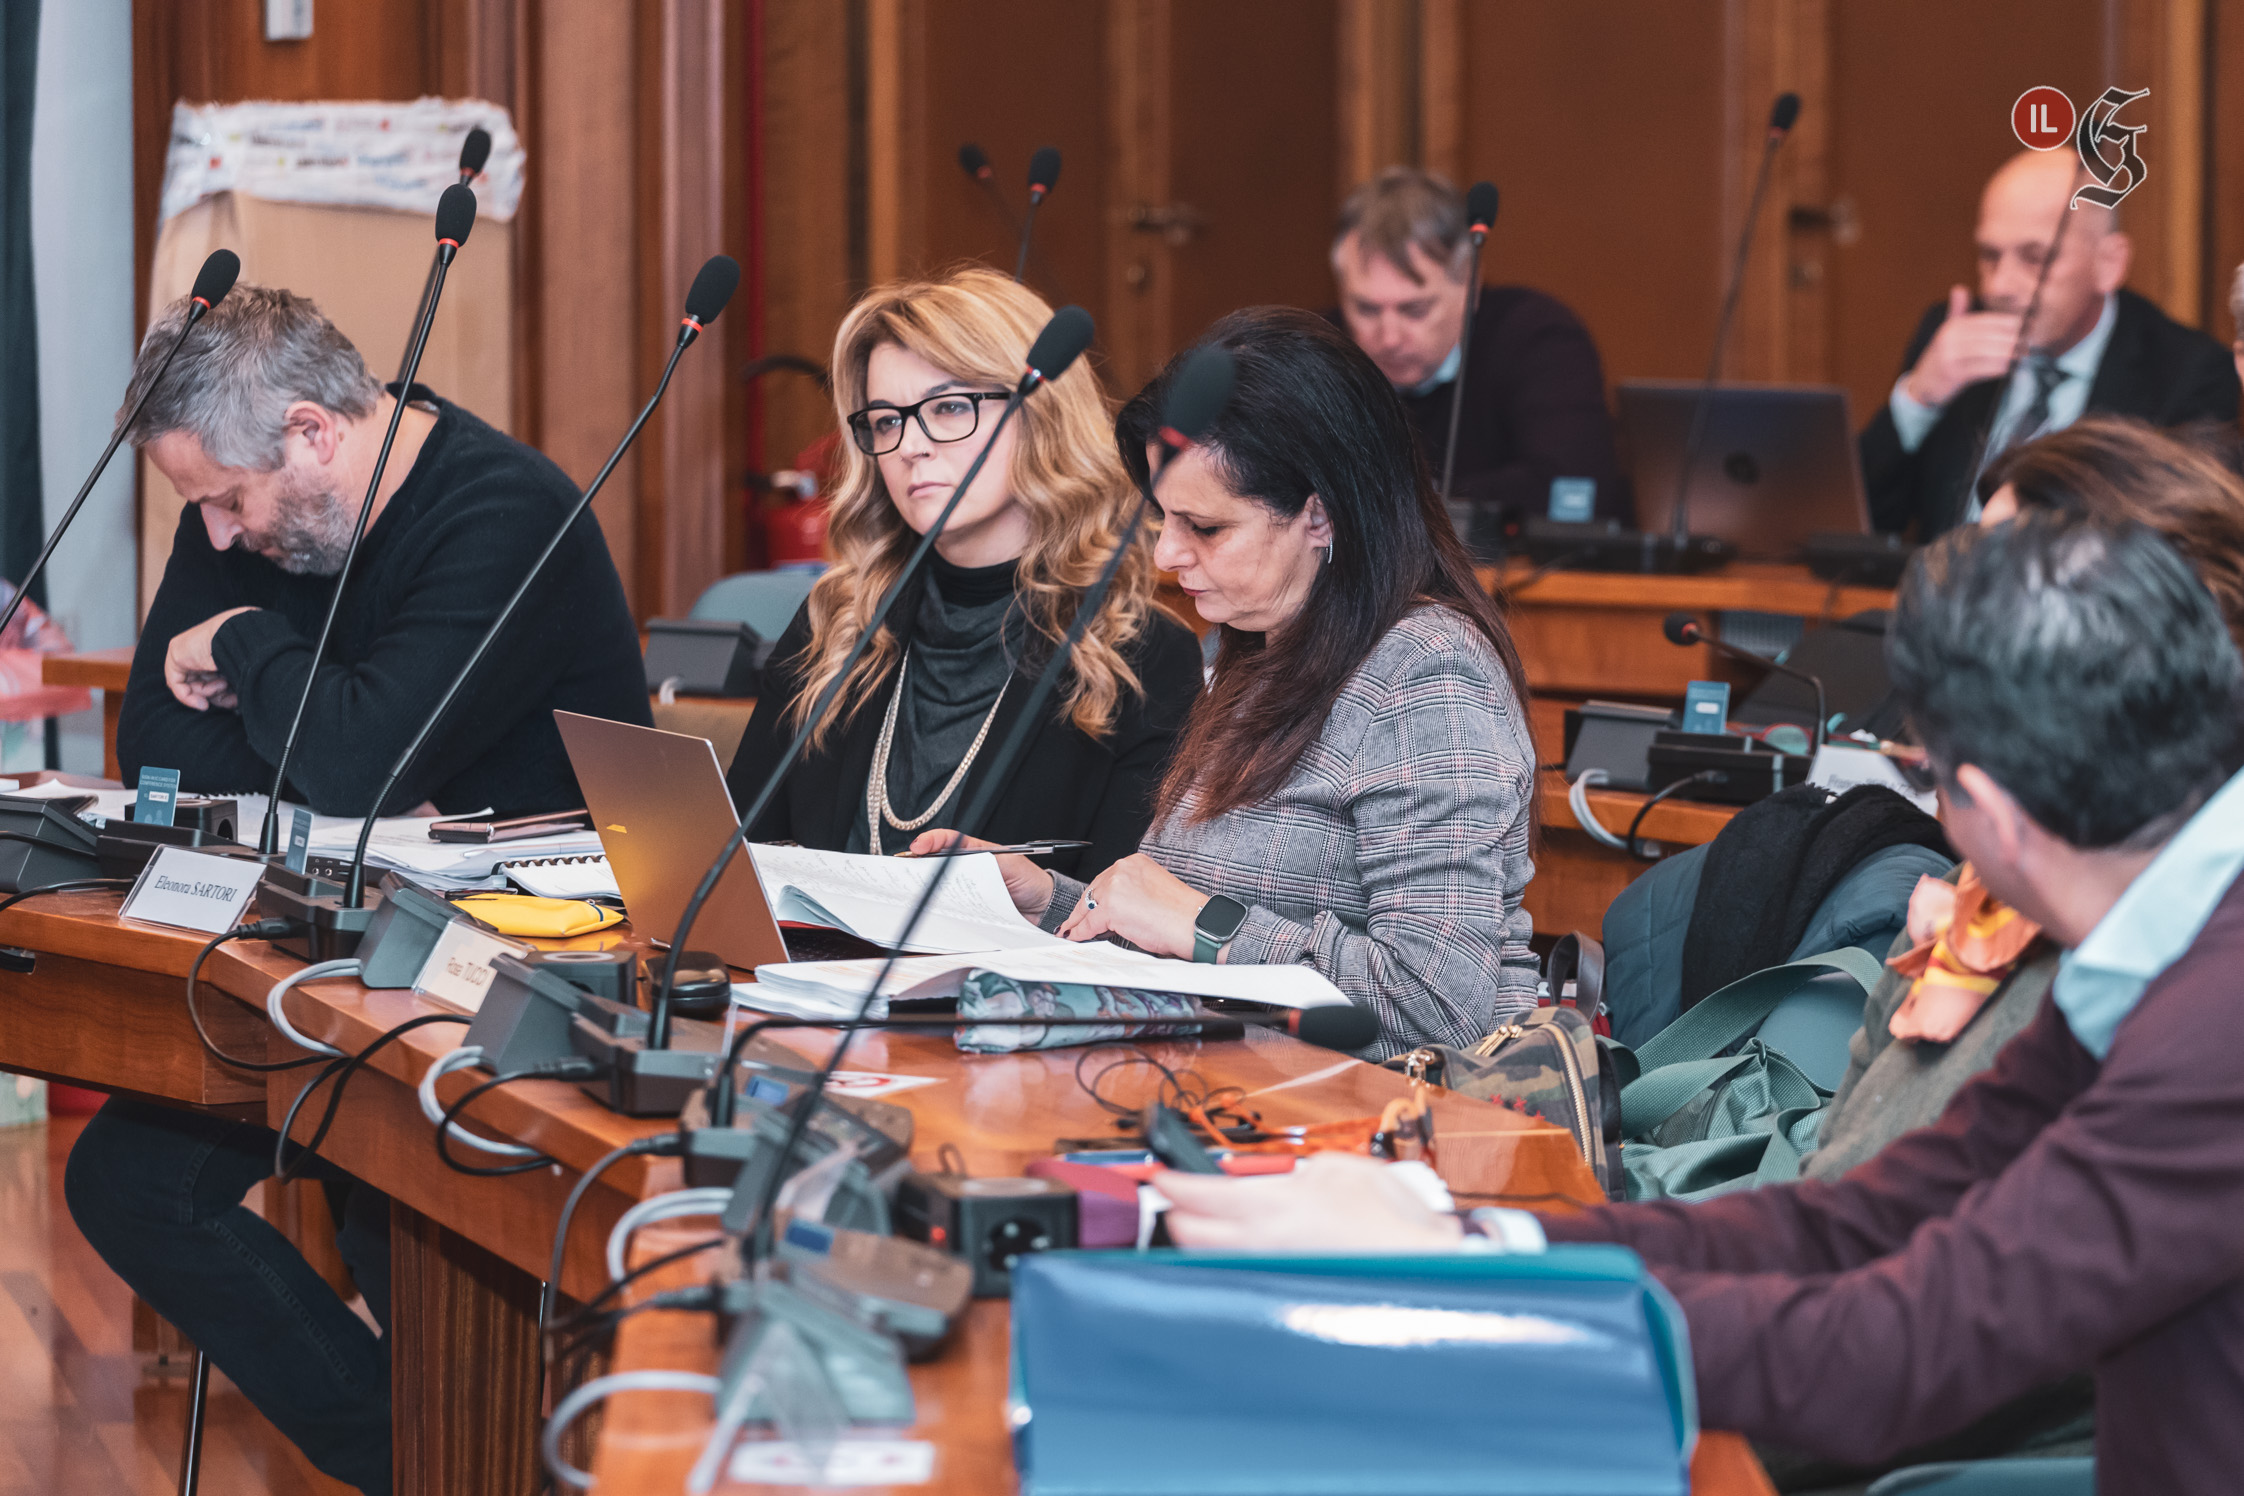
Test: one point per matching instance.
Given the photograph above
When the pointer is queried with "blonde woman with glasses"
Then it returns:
(921, 370)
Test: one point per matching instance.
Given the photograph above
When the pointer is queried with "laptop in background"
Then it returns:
(1776, 463)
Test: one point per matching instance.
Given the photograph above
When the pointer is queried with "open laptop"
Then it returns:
(658, 800)
(1776, 463)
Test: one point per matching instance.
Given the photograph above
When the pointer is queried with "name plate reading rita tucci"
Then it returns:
(458, 971)
(193, 890)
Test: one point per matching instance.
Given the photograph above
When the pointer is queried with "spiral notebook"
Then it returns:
(564, 877)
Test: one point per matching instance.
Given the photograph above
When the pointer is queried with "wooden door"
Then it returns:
(1226, 174)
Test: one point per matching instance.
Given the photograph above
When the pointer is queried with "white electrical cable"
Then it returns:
(709, 1200)
(280, 990)
(466, 1056)
(1577, 800)
(573, 1407)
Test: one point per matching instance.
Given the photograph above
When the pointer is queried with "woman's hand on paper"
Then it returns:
(1141, 901)
(1030, 885)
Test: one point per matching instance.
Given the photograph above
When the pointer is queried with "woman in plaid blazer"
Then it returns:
(1355, 790)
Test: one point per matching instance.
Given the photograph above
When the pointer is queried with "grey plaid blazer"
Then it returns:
(1394, 858)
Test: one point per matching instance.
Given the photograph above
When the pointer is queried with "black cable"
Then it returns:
(591, 1308)
(341, 1070)
(21, 959)
(1634, 850)
(569, 1069)
(264, 929)
(661, 1142)
(68, 885)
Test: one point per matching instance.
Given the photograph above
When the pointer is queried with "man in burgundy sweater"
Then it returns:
(2079, 1207)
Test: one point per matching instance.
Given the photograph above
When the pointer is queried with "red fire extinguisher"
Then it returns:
(795, 526)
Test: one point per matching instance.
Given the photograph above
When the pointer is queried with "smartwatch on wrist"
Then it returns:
(1218, 920)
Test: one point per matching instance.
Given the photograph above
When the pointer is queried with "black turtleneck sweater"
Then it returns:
(965, 645)
(965, 636)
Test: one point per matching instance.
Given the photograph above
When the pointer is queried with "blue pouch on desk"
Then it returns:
(1213, 1374)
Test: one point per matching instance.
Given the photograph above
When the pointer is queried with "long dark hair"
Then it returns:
(1310, 414)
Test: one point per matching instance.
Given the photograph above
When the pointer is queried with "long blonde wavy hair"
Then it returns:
(976, 325)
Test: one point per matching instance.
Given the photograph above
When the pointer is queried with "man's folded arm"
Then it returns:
(360, 716)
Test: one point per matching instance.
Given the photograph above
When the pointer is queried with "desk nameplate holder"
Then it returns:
(188, 890)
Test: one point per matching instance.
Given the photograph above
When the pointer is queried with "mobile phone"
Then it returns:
(517, 828)
(1169, 1138)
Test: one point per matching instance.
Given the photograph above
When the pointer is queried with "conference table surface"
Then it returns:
(104, 1007)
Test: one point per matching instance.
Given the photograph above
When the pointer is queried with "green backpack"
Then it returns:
(1696, 1122)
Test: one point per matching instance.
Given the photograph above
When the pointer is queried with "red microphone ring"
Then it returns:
(453, 242)
(689, 320)
(1172, 437)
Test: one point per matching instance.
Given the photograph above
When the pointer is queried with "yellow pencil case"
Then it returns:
(522, 914)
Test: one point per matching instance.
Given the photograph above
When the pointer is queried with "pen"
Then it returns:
(1025, 849)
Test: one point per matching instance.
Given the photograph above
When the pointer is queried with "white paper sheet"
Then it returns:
(872, 898)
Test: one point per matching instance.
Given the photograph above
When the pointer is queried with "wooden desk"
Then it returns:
(649, 1440)
(104, 1008)
(103, 670)
(1598, 633)
(1576, 876)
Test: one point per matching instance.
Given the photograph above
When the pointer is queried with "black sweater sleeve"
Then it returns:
(210, 749)
(361, 715)
(770, 729)
(1168, 666)
(1546, 394)
(1892, 477)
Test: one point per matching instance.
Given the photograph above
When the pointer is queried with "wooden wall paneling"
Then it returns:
(1605, 125)
(1140, 285)
(2162, 47)
(1441, 87)
(1920, 97)
(685, 143)
(895, 123)
(802, 216)
(1771, 47)
(1379, 87)
(2224, 210)
(1255, 154)
(1011, 76)
(586, 170)
(481, 51)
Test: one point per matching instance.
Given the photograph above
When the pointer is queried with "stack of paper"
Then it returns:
(403, 843)
(836, 989)
(873, 897)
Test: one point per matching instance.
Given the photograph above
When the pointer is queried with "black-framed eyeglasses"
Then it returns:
(948, 417)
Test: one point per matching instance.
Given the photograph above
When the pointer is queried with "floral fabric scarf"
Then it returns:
(1966, 943)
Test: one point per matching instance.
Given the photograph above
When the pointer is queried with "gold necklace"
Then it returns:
(876, 788)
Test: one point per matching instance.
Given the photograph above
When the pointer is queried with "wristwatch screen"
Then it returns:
(1220, 919)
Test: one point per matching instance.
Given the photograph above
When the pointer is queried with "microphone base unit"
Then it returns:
(635, 1080)
(1739, 770)
(327, 931)
(1606, 546)
(1858, 560)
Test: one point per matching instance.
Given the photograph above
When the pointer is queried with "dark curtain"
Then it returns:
(22, 521)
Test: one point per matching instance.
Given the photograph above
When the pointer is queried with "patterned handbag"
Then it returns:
(1546, 1064)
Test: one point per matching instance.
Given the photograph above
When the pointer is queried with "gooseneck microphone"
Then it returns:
(455, 216)
(474, 151)
(1682, 628)
(1044, 175)
(212, 283)
(712, 288)
(1057, 347)
(1202, 389)
(1480, 216)
(1782, 114)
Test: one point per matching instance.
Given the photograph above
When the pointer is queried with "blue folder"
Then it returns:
(1220, 1374)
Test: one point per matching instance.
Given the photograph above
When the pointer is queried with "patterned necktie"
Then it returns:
(2047, 376)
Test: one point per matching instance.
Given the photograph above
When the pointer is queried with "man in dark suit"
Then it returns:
(1534, 436)
(2094, 346)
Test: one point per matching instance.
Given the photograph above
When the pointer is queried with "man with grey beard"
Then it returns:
(269, 425)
